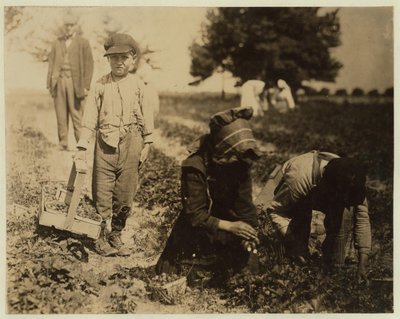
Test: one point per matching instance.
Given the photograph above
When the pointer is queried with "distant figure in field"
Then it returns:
(69, 76)
(252, 95)
(144, 72)
(280, 97)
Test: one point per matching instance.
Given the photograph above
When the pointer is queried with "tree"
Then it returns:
(272, 43)
(373, 92)
(358, 92)
(12, 18)
(32, 29)
(341, 92)
(202, 63)
(389, 92)
(309, 91)
(324, 92)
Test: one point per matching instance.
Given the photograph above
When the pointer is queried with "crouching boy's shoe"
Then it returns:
(115, 241)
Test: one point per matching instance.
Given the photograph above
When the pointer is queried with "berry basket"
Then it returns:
(63, 207)
(169, 293)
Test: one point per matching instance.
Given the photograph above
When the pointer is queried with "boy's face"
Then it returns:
(121, 63)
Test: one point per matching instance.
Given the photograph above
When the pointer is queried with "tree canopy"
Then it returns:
(32, 29)
(269, 43)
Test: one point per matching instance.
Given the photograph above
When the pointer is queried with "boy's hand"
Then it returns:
(52, 92)
(362, 269)
(144, 154)
(80, 155)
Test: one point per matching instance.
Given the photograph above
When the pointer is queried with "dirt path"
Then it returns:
(137, 233)
(61, 162)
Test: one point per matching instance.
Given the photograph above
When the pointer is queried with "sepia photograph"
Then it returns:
(210, 159)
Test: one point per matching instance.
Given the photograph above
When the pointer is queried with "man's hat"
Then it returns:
(70, 18)
(120, 43)
(231, 135)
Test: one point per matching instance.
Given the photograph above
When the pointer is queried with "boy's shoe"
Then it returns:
(115, 241)
(103, 248)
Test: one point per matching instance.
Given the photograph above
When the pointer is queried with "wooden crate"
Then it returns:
(71, 196)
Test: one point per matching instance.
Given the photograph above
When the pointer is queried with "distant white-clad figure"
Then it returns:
(145, 72)
(251, 96)
(285, 94)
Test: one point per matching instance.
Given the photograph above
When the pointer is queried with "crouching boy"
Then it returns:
(333, 185)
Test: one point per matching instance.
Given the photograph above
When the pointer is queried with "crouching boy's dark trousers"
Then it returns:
(295, 227)
(115, 177)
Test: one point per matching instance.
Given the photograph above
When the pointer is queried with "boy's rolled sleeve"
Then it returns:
(362, 228)
(90, 117)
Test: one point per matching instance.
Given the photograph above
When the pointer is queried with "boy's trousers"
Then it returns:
(115, 174)
(295, 225)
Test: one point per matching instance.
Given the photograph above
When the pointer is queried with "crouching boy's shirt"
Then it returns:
(113, 107)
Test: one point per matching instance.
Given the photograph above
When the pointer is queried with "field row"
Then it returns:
(44, 276)
(362, 131)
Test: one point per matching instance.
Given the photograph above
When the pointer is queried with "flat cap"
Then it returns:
(120, 43)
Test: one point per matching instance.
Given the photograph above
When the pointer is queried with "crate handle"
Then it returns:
(76, 182)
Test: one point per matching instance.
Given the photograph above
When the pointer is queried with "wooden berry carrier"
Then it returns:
(71, 197)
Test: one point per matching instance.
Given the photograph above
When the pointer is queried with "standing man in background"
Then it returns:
(69, 76)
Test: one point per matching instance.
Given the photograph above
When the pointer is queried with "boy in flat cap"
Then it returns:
(333, 185)
(69, 76)
(119, 114)
(218, 215)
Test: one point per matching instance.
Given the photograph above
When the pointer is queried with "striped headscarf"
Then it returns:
(232, 137)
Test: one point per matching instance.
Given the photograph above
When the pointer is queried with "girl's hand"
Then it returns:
(240, 229)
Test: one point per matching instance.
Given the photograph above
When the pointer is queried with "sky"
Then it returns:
(366, 51)
(367, 48)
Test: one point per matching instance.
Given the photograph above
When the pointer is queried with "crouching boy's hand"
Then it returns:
(362, 269)
(144, 154)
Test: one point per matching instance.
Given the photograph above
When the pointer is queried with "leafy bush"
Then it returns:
(357, 92)
(373, 92)
(341, 92)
